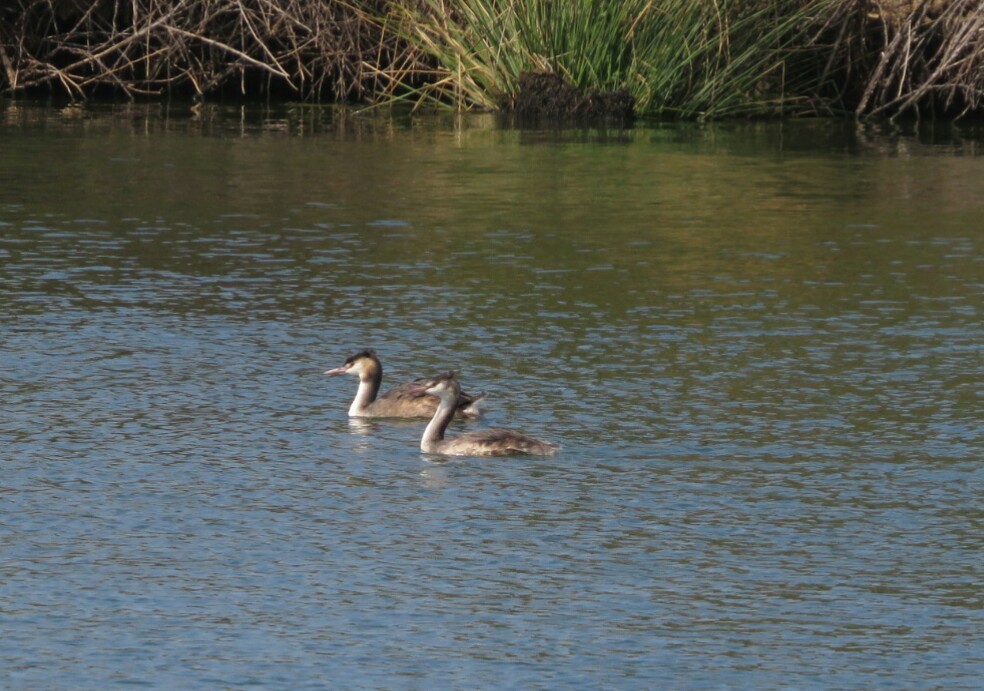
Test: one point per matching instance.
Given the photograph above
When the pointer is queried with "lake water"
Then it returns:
(759, 344)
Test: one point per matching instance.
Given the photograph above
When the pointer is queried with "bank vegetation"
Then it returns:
(682, 58)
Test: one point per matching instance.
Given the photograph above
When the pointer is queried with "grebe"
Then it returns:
(405, 400)
(488, 442)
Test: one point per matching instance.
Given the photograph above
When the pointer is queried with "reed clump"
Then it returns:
(685, 58)
(706, 58)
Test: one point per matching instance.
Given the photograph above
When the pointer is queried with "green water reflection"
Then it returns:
(607, 219)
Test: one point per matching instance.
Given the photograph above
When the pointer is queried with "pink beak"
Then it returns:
(337, 370)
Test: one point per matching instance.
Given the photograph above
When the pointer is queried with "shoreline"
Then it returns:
(797, 57)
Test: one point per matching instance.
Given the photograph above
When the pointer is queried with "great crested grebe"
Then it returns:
(405, 400)
(487, 442)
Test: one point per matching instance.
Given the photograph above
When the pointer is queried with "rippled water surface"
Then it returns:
(760, 346)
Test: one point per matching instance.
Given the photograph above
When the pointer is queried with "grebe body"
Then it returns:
(488, 442)
(405, 400)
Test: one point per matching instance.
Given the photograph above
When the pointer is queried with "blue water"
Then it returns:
(759, 348)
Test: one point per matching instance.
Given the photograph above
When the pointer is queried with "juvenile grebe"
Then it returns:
(405, 400)
(487, 442)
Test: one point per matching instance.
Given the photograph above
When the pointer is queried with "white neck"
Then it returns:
(363, 397)
(434, 431)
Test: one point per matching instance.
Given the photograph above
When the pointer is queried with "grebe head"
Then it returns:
(360, 364)
(443, 386)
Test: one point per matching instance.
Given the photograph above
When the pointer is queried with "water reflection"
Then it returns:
(436, 474)
(362, 426)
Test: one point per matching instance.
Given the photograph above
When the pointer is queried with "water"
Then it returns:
(759, 345)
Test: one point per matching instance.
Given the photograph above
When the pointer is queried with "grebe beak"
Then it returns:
(337, 370)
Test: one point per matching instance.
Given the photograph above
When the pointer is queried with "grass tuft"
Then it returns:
(693, 58)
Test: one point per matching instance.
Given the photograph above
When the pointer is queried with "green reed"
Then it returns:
(694, 58)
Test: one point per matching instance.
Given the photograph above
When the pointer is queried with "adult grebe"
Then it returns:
(405, 400)
(487, 442)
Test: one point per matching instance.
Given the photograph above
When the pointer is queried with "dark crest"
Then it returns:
(368, 352)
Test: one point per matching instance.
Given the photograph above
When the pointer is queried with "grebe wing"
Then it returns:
(497, 442)
(410, 391)
(412, 396)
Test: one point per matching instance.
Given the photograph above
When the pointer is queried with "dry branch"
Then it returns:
(933, 56)
(313, 49)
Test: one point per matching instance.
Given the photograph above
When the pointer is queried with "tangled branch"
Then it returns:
(910, 56)
(314, 49)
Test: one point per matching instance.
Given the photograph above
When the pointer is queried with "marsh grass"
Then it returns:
(703, 58)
